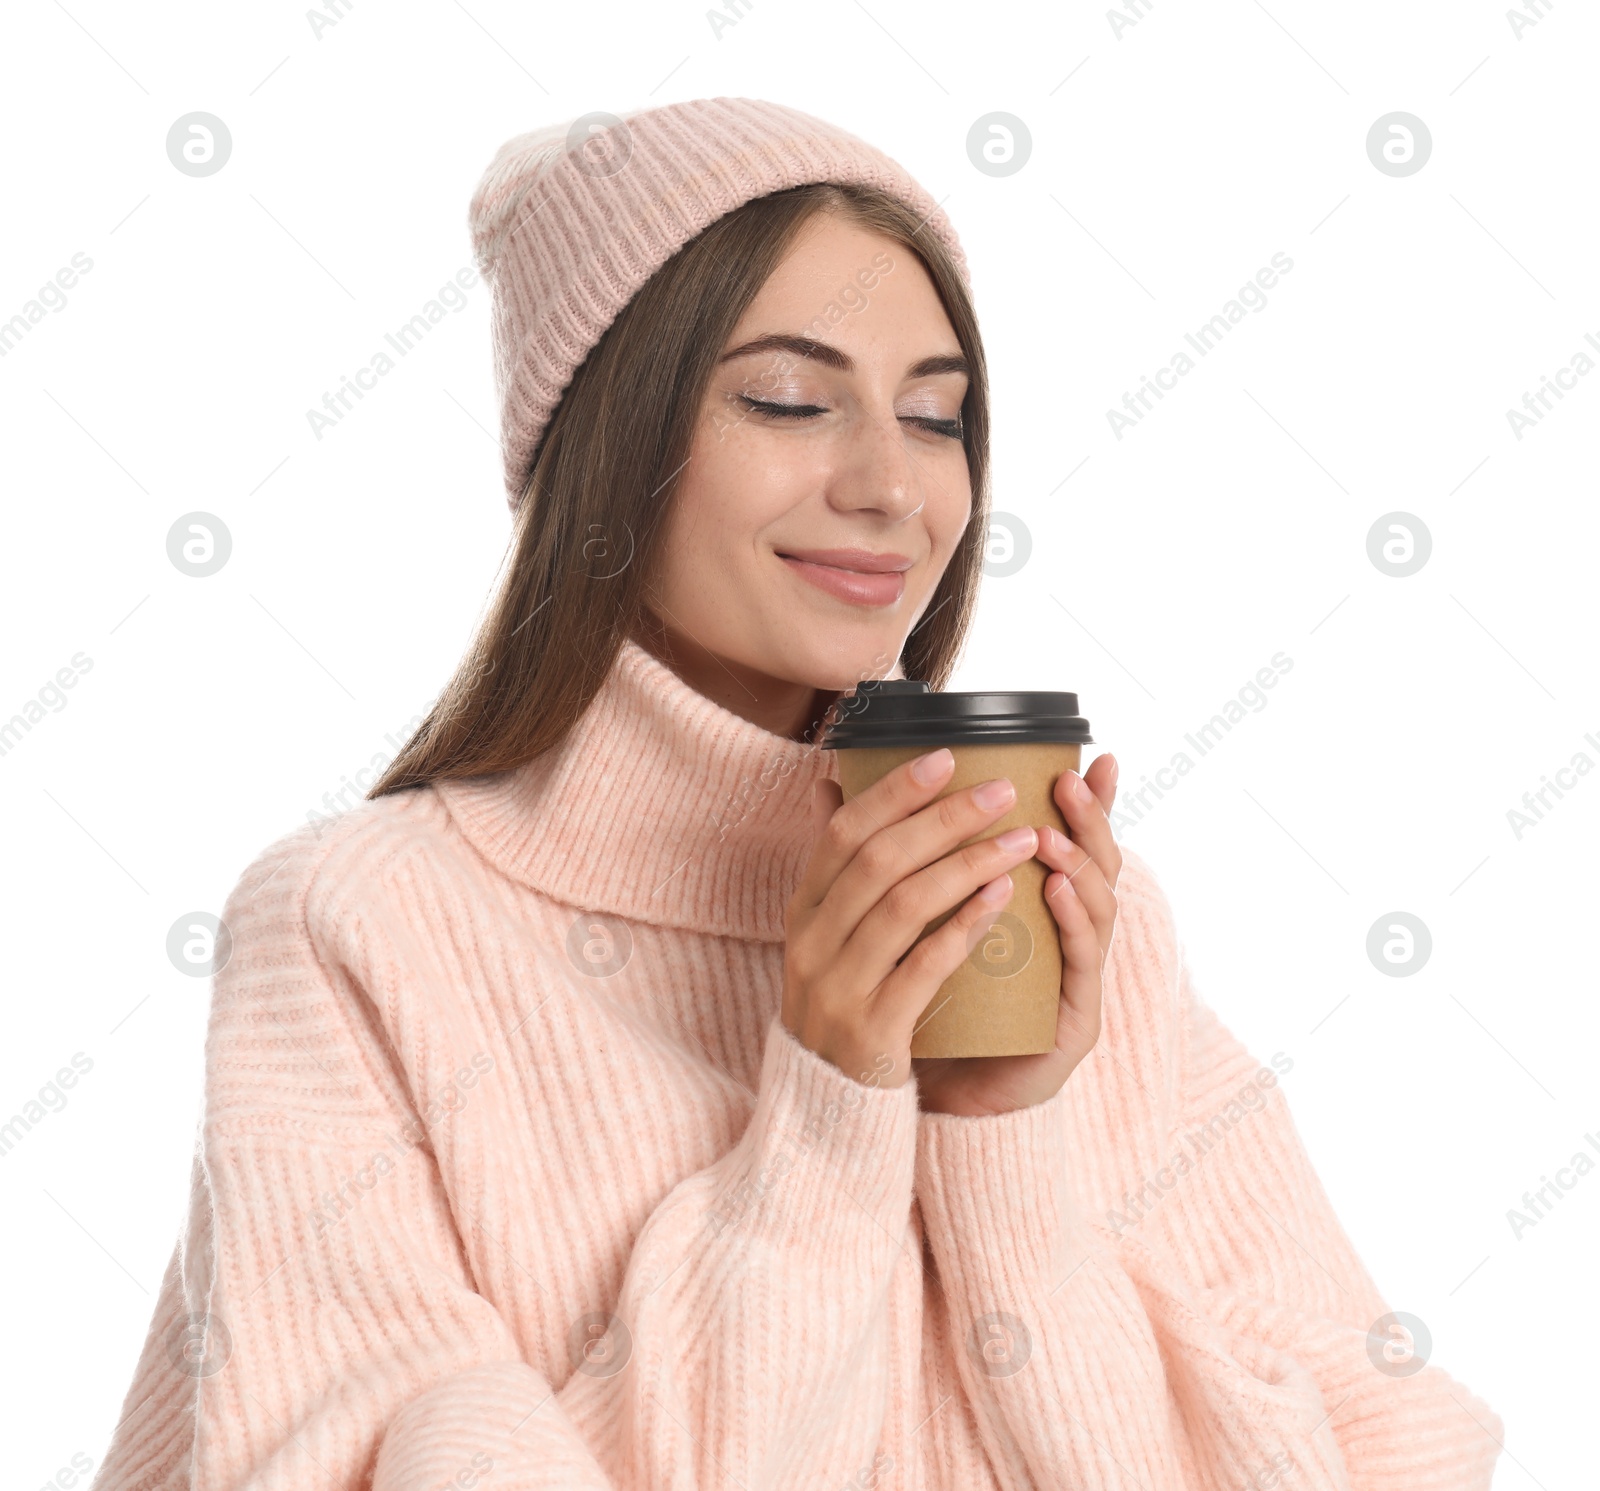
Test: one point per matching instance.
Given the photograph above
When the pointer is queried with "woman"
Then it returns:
(561, 1128)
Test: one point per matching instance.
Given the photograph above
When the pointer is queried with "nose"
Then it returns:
(877, 471)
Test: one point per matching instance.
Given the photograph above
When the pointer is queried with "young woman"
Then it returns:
(561, 1128)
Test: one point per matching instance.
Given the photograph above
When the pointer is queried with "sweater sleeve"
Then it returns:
(319, 1323)
(1218, 1329)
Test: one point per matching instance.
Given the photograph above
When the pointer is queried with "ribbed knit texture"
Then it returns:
(510, 1175)
(566, 230)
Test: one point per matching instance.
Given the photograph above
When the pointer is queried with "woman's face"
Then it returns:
(827, 483)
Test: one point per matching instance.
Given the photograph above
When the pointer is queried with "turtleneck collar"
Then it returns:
(660, 806)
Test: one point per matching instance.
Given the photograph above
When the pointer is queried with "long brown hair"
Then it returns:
(587, 531)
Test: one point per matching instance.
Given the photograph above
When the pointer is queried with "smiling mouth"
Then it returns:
(855, 576)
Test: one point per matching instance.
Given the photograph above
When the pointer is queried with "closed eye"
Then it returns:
(948, 427)
(782, 411)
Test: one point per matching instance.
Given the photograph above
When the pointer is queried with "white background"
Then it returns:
(1168, 164)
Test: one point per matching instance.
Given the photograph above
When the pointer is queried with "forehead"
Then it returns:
(844, 286)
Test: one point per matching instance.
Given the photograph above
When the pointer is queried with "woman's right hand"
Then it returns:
(883, 866)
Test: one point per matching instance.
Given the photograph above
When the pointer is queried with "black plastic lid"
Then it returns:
(907, 712)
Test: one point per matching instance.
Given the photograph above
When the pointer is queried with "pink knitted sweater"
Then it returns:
(509, 1174)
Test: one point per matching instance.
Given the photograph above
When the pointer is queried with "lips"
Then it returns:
(857, 576)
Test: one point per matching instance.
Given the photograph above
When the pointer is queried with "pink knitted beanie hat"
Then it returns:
(570, 220)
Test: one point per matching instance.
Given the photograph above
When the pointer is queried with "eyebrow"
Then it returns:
(831, 356)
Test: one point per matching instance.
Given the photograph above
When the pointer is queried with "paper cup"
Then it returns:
(1004, 999)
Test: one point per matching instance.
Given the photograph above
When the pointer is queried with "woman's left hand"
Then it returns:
(1080, 891)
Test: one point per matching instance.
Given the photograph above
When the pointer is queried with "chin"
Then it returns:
(840, 661)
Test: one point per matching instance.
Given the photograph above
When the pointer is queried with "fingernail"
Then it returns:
(1014, 840)
(928, 769)
(995, 890)
(1081, 788)
(995, 794)
(1116, 766)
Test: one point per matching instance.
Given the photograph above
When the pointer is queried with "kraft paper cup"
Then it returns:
(1004, 999)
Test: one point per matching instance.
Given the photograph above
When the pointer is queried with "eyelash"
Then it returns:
(948, 427)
